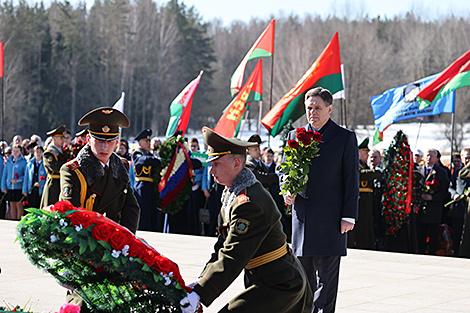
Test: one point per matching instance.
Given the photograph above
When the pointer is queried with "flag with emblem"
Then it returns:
(325, 72)
(233, 113)
(263, 47)
(180, 108)
(455, 76)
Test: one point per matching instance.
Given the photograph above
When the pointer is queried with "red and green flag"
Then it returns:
(180, 108)
(325, 72)
(1, 59)
(263, 47)
(455, 76)
(252, 91)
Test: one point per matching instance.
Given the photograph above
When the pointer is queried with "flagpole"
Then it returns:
(419, 130)
(259, 117)
(452, 139)
(243, 124)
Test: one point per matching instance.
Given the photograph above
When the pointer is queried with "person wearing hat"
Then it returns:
(250, 238)
(97, 179)
(145, 164)
(363, 236)
(53, 161)
(267, 179)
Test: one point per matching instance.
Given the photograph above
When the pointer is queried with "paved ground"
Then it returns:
(369, 281)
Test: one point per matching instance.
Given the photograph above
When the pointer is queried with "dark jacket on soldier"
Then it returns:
(53, 161)
(85, 183)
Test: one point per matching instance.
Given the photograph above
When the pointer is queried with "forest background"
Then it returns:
(63, 60)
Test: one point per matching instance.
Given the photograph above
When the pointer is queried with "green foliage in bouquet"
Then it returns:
(397, 194)
(111, 269)
(178, 187)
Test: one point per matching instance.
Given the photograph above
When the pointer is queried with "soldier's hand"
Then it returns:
(346, 226)
(207, 194)
(289, 199)
(190, 303)
(426, 197)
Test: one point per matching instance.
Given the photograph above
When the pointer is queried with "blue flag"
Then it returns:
(399, 104)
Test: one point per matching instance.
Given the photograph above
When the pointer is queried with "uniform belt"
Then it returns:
(54, 176)
(267, 257)
(365, 189)
(144, 179)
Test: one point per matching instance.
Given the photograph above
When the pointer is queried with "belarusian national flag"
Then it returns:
(1, 58)
(180, 108)
(325, 72)
(263, 47)
(457, 75)
(233, 113)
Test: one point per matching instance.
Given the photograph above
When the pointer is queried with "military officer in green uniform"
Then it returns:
(53, 160)
(97, 179)
(363, 234)
(251, 238)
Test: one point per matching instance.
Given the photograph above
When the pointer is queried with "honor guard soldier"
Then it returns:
(145, 164)
(53, 160)
(251, 238)
(363, 234)
(97, 179)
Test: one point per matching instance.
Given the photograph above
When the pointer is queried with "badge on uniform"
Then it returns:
(67, 190)
(242, 198)
(241, 226)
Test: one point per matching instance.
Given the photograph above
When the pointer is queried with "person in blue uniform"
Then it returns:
(12, 181)
(35, 178)
(145, 164)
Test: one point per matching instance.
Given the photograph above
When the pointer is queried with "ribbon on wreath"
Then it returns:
(409, 195)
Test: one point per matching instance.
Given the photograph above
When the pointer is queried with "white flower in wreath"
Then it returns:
(125, 250)
(78, 227)
(115, 254)
(53, 238)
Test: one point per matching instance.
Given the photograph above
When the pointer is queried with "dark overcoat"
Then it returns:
(433, 212)
(332, 193)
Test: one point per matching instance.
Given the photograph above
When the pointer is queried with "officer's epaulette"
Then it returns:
(242, 197)
(73, 164)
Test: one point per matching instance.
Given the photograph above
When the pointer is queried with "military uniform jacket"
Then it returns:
(261, 172)
(52, 163)
(251, 228)
(85, 183)
(434, 207)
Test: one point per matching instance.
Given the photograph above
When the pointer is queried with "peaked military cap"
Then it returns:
(82, 132)
(255, 138)
(59, 131)
(103, 123)
(220, 145)
(364, 145)
(144, 135)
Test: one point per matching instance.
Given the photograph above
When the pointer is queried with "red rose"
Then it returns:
(137, 248)
(120, 238)
(102, 231)
(148, 257)
(80, 218)
(317, 136)
(301, 136)
(293, 144)
(62, 206)
(306, 140)
(16, 176)
(162, 264)
(42, 178)
(300, 130)
(25, 203)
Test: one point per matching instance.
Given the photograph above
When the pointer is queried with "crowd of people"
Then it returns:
(436, 225)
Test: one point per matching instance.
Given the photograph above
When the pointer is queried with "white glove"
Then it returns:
(190, 303)
(194, 283)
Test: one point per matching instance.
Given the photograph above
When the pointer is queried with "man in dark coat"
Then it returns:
(251, 238)
(457, 189)
(145, 165)
(428, 220)
(97, 179)
(328, 208)
(53, 160)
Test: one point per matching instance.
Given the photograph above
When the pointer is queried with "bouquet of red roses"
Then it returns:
(298, 154)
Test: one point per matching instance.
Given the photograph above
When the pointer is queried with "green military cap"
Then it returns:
(59, 131)
(103, 123)
(364, 145)
(220, 145)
